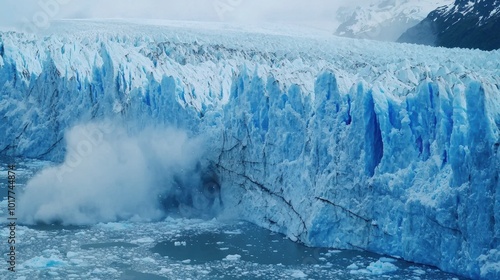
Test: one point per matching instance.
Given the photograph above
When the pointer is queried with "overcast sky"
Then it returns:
(16, 12)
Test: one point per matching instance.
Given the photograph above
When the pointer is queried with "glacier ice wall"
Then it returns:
(334, 142)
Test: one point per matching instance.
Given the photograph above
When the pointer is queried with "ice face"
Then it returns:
(335, 142)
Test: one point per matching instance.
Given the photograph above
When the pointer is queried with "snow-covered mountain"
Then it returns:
(465, 24)
(384, 20)
(335, 142)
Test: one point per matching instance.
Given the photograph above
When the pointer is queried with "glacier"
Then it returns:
(335, 142)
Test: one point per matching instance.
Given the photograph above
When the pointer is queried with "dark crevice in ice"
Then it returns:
(270, 192)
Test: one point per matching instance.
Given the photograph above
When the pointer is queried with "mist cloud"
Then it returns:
(108, 176)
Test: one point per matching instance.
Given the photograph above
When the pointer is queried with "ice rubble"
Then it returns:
(107, 251)
(335, 142)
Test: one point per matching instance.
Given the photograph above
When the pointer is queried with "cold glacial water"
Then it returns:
(177, 248)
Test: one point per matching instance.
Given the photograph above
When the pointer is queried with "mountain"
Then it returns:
(384, 20)
(463, 24)
(386, 147)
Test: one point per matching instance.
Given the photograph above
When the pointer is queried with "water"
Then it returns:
(252, 244)
(184, 249)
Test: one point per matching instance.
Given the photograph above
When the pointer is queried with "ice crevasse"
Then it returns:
(334, 142)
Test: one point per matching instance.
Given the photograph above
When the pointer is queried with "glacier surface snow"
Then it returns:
(335, 142)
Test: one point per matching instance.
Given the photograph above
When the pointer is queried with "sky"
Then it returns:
(312, 12)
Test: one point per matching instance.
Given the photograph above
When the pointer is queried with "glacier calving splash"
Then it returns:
(335, 142)
(109, 175)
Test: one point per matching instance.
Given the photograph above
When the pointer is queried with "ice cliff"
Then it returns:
(335, 142)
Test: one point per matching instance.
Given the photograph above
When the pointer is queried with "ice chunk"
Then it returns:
(143, 240)
(353, 267)
(380, 267)
(298, 274)
(43, 262)
(235, 257)
(389, 260)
